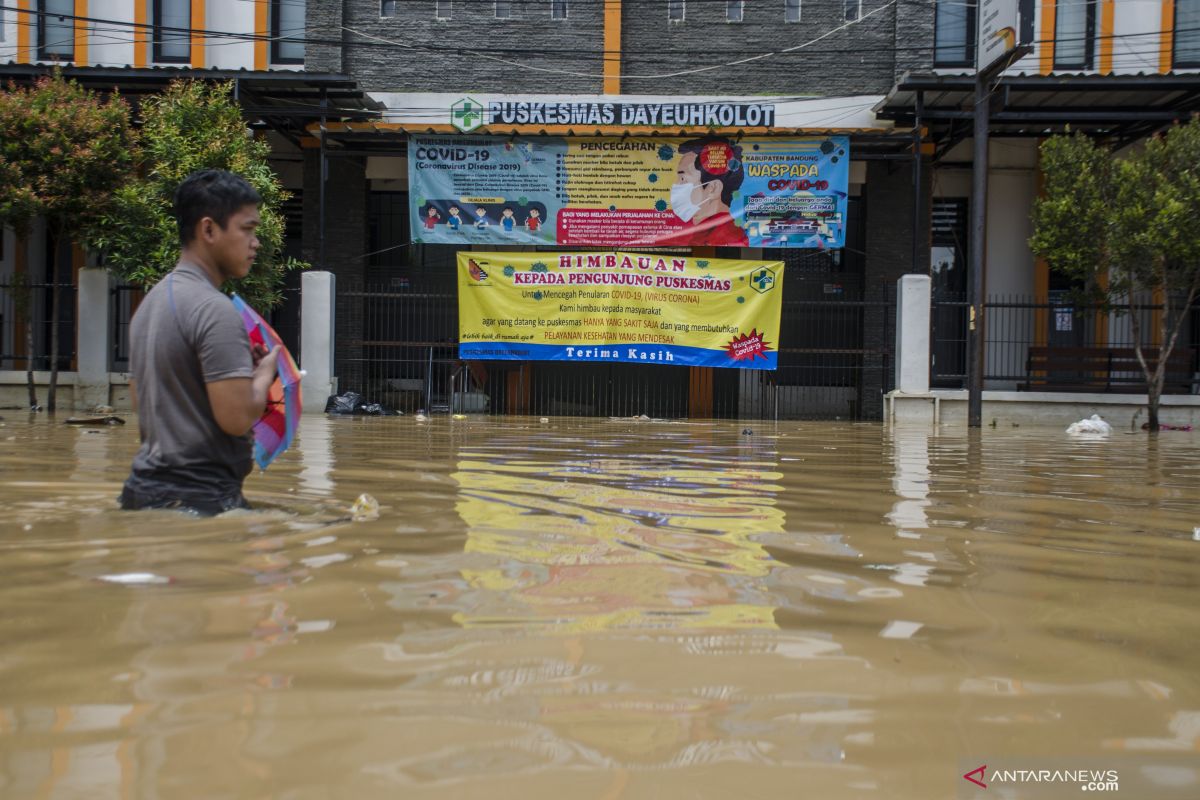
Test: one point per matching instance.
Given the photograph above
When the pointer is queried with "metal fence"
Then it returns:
(399, 346)
(1017, 325)
(27, 308)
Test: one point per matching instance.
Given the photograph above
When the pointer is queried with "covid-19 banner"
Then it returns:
(629, 192)
(619, 307)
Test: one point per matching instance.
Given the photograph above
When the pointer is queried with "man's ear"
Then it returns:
(206, 226)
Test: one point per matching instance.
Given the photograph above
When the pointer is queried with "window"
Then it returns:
(675, 10)
(558, 9)
(1187, 33)
(1074, 31)
(287, 31)
(791, 10)
(735, 11)
(851, 10)
(172, 46)
(56, 34)
(954, 34)
(503, 9)
(387, 8)
(442, 9)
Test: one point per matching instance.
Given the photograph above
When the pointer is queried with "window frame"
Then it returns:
(277, 33)
(970, 43)
(42, 53)
(857, 5)
(1176, 61)
(382, 3)
(555, 5)
(788, 6)
(157, 53)
(496, 9)
(439, 5)
(741, 11)
(677, 4)
(1089, 42)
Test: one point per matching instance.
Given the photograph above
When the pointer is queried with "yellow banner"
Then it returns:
(619, 307)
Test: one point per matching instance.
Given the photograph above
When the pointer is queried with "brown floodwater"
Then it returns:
(605, 609)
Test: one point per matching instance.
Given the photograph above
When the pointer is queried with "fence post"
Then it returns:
(93, 338)
(911, 401)
(316, 337)
(912, 334)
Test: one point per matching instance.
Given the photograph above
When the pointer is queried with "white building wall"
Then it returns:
(1136, 37)
(110, 38)
(229, 16)
(8, 35)
(1138, 24)
(111, 44)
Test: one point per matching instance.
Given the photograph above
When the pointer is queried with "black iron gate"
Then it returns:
(398, 345)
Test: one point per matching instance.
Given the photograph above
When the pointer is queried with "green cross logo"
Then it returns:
(466, 114)
(763, 280)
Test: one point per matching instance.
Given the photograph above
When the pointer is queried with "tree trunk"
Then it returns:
(52, 391)
(55, 306)
(1152, 397)
(29, 359)
(23, 302)
(1153, 388)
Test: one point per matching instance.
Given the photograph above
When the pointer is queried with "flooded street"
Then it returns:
(605, 609)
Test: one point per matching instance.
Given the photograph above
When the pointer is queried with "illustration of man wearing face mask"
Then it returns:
(708, 173)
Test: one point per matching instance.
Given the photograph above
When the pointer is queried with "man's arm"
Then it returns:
(237, 403)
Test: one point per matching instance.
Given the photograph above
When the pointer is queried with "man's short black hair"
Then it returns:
(210, 193)
(731, 179)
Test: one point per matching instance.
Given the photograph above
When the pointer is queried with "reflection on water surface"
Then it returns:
(603, 609)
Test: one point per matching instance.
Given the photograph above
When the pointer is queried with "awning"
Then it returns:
(1126, 107)
(284, 100)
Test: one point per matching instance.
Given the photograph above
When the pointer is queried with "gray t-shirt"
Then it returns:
(186, 334)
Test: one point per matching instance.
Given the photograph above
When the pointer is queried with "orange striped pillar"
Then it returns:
(612, 46)
(1108, 13)
(199, 17)
(25, 24)
(1166, 36)
(141, 34)
(262, 25)
(1049, 24)
(81, 33)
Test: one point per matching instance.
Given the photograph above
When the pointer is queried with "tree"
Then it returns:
(1126, 226)
(193, 125)
(63, 152)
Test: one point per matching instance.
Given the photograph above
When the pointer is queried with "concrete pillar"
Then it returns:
(913, 298)
(911, 401)
(94, 338)
(317, 290)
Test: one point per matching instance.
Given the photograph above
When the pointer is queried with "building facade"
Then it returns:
(893, 76)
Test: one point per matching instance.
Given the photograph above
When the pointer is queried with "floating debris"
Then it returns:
(135, 579)
(1092, 424)
(110, 419)
(365, 508)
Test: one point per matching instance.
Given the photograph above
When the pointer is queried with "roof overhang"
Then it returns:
(1124, 107)
(284, 100)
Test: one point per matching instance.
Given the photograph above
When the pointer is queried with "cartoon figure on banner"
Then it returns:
(454, 221)
(481, 220)
(708, 173)
(431, 217)
(533, 221)
(507, 220)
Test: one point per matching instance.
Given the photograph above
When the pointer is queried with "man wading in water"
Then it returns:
(198, 386)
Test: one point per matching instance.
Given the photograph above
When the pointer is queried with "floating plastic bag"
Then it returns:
(1092, 424)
